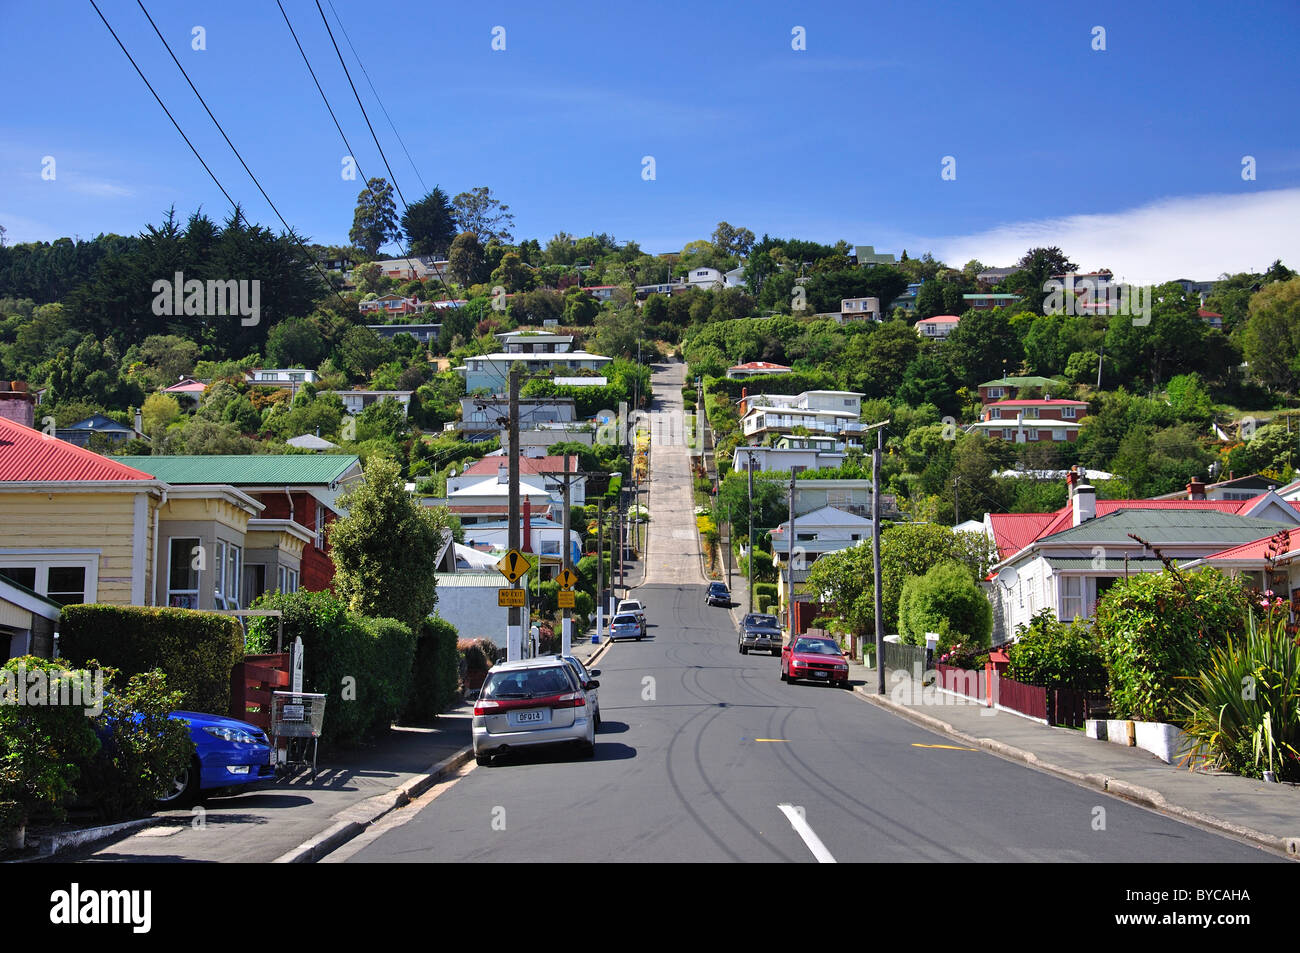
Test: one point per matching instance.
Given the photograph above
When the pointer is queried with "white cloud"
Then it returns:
(1197, 237)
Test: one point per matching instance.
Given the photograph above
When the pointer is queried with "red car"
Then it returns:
(818, 660)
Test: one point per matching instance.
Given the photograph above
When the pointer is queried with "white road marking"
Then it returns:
(809, 836)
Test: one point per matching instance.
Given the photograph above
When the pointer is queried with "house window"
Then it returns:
(288, 579)
(1031, 434)
(182, 576)
(1058, 434)
(1067, 413)
(64, 584)
(995, 392)
(320, 526)
(1071, 598)
(995, 413)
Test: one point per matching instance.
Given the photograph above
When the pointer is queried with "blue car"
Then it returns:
(228, 753)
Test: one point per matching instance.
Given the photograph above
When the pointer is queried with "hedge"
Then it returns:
(363, 666)
(436, 676)
(195, 650)
(765, 589)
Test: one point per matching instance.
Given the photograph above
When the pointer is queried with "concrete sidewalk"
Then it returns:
(1264, 814)
(299, 819)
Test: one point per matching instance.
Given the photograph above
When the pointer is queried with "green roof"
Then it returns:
(1087, 564)
(247, 469)
(1169, 526)
(1023, 382)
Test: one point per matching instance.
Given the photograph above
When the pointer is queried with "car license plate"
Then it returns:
(524, 717)
(821, 674)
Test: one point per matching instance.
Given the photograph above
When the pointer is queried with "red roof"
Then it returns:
(1055, 402)
(1259, 548)
(1012, 532)
(489, 466)
(758, 366)
(941, 319)
(1202, 313)
(28, 456)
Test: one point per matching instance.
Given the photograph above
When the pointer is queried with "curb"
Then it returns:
(1139, 794)
(64, 841)
(353, 820)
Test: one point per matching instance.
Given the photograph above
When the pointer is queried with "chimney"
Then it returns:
(528, 525)
(1085, 503)
(1196, 490)
(139, 421)
(503, 472)
(17, 403)
(1071, 481)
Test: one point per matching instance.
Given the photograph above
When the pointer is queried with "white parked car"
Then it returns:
(635, 608)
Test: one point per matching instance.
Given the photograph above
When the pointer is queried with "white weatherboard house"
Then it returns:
(825, 530)
(1068, 570)
(491, 371)
(818, 411)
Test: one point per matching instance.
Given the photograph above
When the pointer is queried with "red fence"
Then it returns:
(1029, 700)
(970, 682)
(251, 684)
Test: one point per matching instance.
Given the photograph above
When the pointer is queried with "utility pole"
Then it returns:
(566, 560)
(728, 547)
(514, 629)
(956, 505)
(600, 570)
(749, 468)
(875, 555)
(789, 562)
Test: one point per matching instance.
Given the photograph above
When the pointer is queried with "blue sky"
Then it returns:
(1130, 158)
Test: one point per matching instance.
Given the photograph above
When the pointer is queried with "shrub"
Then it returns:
(1054, 655)
(1155, 628)
(948, 601)
(390, 672)
(363, 666)
(41, 746)
(143, 747)
(195, 650)
(766, 589)
(436, 672)
(1243, 709)
(762, 602)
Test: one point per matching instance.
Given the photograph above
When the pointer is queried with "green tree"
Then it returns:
(430, 224)
(1036, 267)
(295, 342)
(158, 411)
(1272, 336)
(374, 223)
(466, 260)
(385, 549)
(946, 601)
(732, 242)
(980, 346)
(478, 211)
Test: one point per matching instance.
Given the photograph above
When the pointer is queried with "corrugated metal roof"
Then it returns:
(1085, 563)
(28, 455)
(472, 580)
(247, 469)
(1165, 526)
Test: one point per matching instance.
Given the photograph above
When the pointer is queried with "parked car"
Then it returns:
(635, 608)
(625, 626)
(537, 701)
(228, 753)
(819, 660)
(588, 678)
(718, 595)
(760, 631)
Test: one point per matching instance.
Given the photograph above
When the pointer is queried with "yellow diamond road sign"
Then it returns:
(568, 578)
(513, 565)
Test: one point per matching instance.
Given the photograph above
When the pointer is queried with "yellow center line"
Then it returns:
(781, 740)
(947, 747)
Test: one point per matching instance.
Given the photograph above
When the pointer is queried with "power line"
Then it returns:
(357, 96)
(339, 127)
(165, 109)
(288, 228)
(360, 63)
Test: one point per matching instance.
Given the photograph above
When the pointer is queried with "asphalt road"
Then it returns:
(701, 746)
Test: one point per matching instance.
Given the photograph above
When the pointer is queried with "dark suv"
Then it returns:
(759, 631)
(719, 595)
